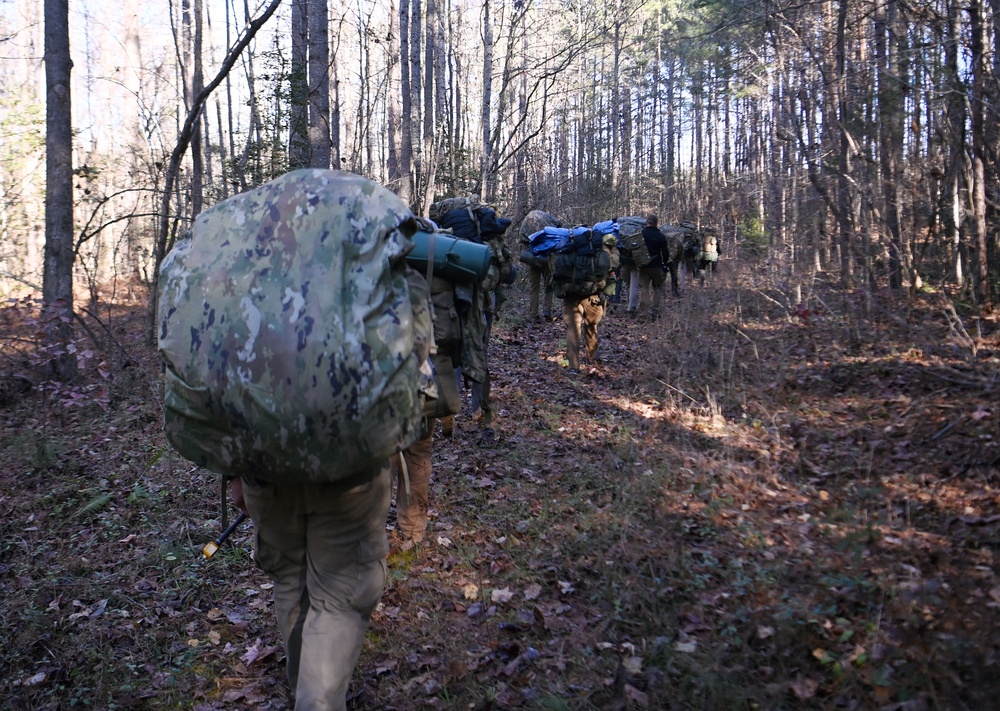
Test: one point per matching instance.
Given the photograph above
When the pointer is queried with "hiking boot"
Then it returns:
(448, 425)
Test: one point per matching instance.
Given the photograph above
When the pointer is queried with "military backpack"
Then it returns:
(295, 336)
(581, 265)
(633, 246)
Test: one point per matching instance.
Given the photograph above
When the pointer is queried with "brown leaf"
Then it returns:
(804, 687)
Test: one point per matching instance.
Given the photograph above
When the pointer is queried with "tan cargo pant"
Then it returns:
(412, 505)
(324, 546)
(582, 315)
(540, 281)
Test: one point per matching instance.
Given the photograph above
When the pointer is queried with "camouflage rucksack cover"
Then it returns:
(294, 334)
(535, 221)
(439, 209)
(675, 241)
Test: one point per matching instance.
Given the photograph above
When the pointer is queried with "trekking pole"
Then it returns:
(210, 548)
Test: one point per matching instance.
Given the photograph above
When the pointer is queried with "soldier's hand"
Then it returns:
(236, 489)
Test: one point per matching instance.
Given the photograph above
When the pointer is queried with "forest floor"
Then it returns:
(746, 505)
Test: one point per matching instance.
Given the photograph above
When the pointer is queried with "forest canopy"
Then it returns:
(851, 137)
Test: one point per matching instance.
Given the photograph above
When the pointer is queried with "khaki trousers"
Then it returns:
(540, 280)
(582, 315)
(324, 546)
(411, 506)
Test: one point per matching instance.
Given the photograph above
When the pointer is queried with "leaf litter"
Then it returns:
(738, 506)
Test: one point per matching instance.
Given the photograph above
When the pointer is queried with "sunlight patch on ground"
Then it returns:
(646, 410)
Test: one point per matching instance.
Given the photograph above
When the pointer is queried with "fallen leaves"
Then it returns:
(257, 652)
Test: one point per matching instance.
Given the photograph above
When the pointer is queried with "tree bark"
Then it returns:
(319, 85)
(57, 277)
(890, 133)
(406, 117)
(980, 69)
(298, 88)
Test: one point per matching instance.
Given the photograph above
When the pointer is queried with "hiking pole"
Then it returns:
(210, 548)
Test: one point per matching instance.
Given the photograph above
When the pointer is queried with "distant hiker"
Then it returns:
(539, 271)
(651, 276)
(584, 301)
(674, 254)
(634, 256)
(708, 259)
(691, 255)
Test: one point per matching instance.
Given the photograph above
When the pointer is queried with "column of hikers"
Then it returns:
(314, 331)
(647, 253)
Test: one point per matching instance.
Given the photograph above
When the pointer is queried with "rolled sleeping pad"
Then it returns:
(454, 259)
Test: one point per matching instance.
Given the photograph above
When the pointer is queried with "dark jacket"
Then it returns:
(656, 243)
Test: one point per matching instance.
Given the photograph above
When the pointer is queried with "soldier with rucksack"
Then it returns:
(651, 276)
(692, 250)
(539, 271)
(585, 277)
(634, 256)
(451, 296)
(296, 342)
(708, 258)
(470, 219)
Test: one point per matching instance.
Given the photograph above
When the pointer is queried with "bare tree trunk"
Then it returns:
(416, 92)
(197, 85)
(57, 277)
(230, 172)
(319, 84)
(844, 193)
(487, 95)
(298, 94)
(393, 103)
(952, 213)
(980, 68)
(890, 132)
(429, 154)
(406, 118)
(617, 112)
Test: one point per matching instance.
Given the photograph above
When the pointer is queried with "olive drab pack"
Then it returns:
(633, 246)
(581, 264)
(675, 235)
(295, 336)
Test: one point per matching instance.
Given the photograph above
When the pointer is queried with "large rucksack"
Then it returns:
(534, 222)
(709, 246)
(581, 265)
(468, 218)
(675, 240)
(633, 246)
(294, 334)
